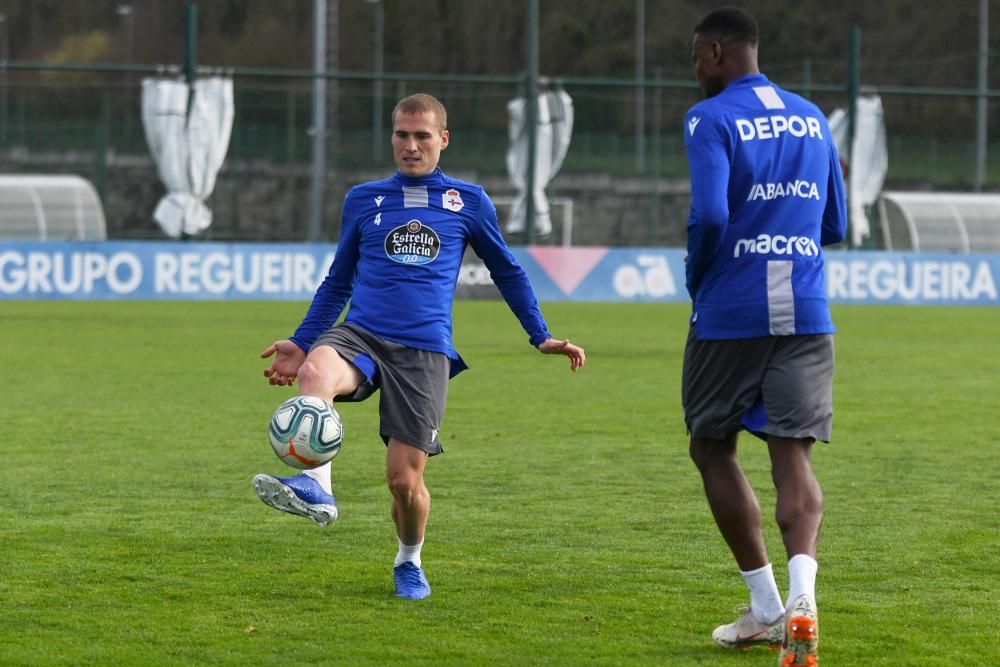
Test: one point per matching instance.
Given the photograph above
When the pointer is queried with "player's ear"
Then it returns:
(444, 139)
(716, 52)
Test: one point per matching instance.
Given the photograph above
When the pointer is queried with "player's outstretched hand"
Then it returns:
(285, 366)
(577, 357)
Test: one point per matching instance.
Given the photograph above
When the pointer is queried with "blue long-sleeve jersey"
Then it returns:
(397, 262)
(766, 193)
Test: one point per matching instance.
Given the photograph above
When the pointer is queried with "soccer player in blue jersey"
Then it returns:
(766, 195)
(397, 263)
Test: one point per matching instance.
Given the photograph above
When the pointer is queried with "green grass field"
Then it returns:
(568, 524)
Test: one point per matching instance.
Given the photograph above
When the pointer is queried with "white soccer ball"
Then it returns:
(305, 432)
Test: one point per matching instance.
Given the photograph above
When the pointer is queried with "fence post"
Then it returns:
(238, 157)
(291, 148)
(853, 84)
(981, 110)
(319, 122)
(4, 54)
(640, 88)
(190, 48)
(531, 118)
(101, 147)
(658, 142)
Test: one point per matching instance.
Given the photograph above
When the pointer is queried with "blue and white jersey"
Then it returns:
(767, 193)
(400, 250)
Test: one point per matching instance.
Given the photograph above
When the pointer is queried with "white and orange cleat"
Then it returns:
(800, 644)
(747, 631)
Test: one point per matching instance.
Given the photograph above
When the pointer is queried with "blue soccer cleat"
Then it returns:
(410, 581)
(301, 495)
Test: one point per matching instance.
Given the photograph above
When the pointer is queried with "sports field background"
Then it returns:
(568, 524)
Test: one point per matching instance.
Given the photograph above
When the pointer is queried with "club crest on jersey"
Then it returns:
(412, 243)
(452, 200)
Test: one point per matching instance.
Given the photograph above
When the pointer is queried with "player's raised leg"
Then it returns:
(411, 504)
(301, 495)
(324, 374)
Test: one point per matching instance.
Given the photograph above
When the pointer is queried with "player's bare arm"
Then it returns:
(577, 357)
(288, 358)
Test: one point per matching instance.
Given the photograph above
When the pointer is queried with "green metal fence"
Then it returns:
(86, 119)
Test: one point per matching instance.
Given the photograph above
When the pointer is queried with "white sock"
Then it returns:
(322, 475)
(801, 577)
(408, 553)
(765, 601)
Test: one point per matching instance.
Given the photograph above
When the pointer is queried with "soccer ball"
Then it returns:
(305, 432)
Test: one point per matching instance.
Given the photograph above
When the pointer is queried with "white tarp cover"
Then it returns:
(555, 128)
(869, 161)
(188, 148)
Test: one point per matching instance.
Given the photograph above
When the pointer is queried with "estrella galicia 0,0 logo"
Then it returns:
(412, 243)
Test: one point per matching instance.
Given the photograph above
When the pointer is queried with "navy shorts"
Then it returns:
(774, 385)
(414, 384)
